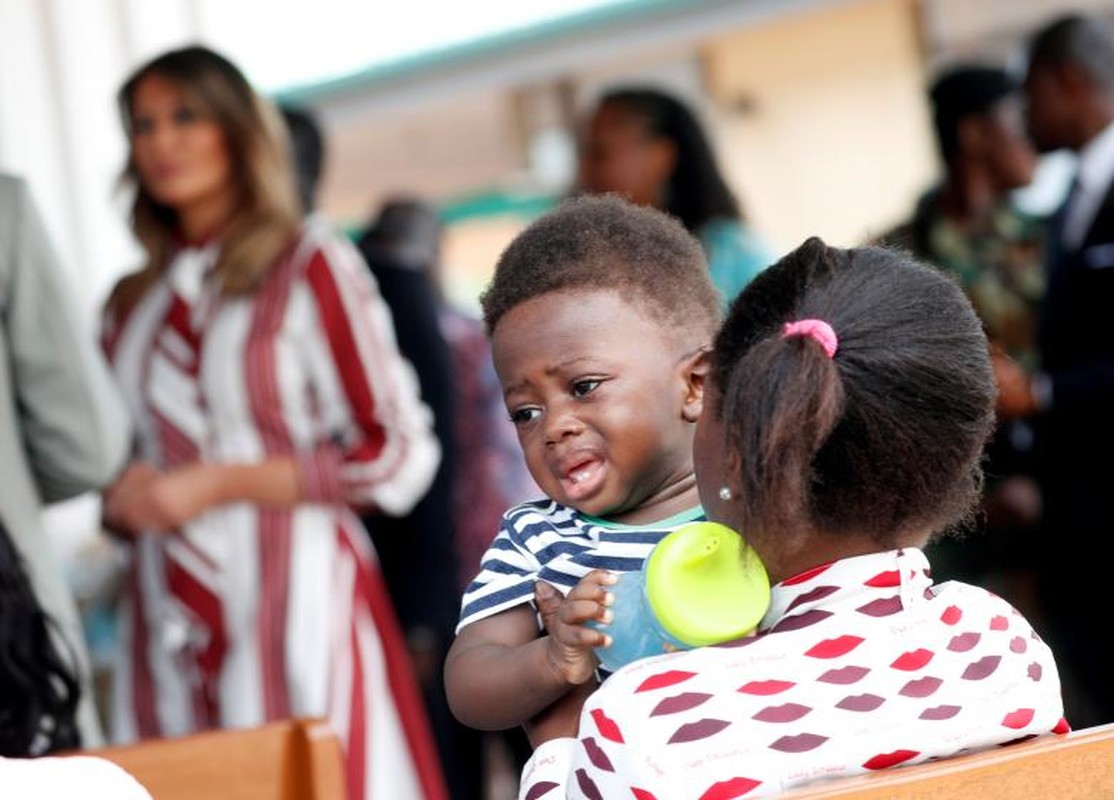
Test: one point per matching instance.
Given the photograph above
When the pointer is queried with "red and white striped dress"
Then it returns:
(253, 614)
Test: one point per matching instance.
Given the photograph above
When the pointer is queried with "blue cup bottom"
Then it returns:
(635, 632)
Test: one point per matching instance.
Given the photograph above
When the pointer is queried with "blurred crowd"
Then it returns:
(302, 447)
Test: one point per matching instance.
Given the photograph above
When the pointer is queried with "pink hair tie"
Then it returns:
(816, 329)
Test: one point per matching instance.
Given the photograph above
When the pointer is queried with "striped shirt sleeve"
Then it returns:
(507, 573)
(383, 453)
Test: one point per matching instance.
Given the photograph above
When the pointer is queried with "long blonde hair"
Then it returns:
(266, 212)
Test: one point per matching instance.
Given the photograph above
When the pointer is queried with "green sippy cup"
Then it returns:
(701, 584)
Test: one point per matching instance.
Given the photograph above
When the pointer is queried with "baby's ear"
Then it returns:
(694, 372)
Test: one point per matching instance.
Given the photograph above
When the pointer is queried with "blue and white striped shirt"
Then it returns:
(544, 540)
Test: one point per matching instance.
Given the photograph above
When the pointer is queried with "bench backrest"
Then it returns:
(288, 760)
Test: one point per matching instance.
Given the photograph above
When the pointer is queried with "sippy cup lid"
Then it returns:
(706, 585)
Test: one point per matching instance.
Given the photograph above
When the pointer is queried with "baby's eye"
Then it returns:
(520, 416)
(583, 387)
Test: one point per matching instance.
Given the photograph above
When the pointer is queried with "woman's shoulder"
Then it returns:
(318, 243)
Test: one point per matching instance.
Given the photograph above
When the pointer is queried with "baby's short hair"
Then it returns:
(605, 242)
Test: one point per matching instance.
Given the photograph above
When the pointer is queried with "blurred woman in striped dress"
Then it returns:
(270, 400)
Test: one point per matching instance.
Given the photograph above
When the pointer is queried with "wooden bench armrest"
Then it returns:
(298, 759)
(1075, 766)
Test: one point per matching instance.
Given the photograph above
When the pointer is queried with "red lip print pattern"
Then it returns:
(834, 648)
(606, 726)
(882, 607)
(805, 576)
(801, 743)
(951, 615)
(541, 789)
(596, 755)
(844, 675)
(728, 790)
(663, 679)
(884, 579)
(964, 642)
(1018, 719)
(913, 660)
(921, 687)
(587, 786)
(940, 712)
(982, 668)
(887, 760)
(802, 620)
(873, 664)
(790, 712)
(860, 702)
(766, 687)
(812, 595)
(679, 703)
(692, 731)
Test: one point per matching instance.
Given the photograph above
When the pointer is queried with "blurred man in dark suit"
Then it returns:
(1070, 89)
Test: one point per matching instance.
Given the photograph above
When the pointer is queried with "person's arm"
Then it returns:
(383, 453)
(144, 499)
(500, 673)
(75, 428)
(497, 618)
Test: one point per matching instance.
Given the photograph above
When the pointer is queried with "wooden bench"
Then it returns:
(290, 760)
(1077, 766)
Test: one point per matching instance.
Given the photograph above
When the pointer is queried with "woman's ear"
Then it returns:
(694, 373)
(733, 471)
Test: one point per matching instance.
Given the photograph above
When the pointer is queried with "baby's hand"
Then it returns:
(570, 640)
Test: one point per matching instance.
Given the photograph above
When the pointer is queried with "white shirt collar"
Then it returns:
(1096, 161)
(1094, 174)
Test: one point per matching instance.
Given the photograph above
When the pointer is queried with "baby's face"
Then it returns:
(596, 389)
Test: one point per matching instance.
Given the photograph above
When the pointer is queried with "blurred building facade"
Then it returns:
(817, 110)
(816, 107)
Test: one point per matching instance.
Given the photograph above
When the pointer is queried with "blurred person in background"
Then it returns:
(417, 549)
(430, 555)
(270, 401)
(1070, 92)
(968, 225)
(63, 428)
(648, 146)
(39, 698)
(307, 152)
(39, 689)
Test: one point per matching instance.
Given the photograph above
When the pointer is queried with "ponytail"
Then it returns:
(781, 402)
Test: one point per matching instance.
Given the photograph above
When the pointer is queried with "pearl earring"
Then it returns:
(724, 493)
